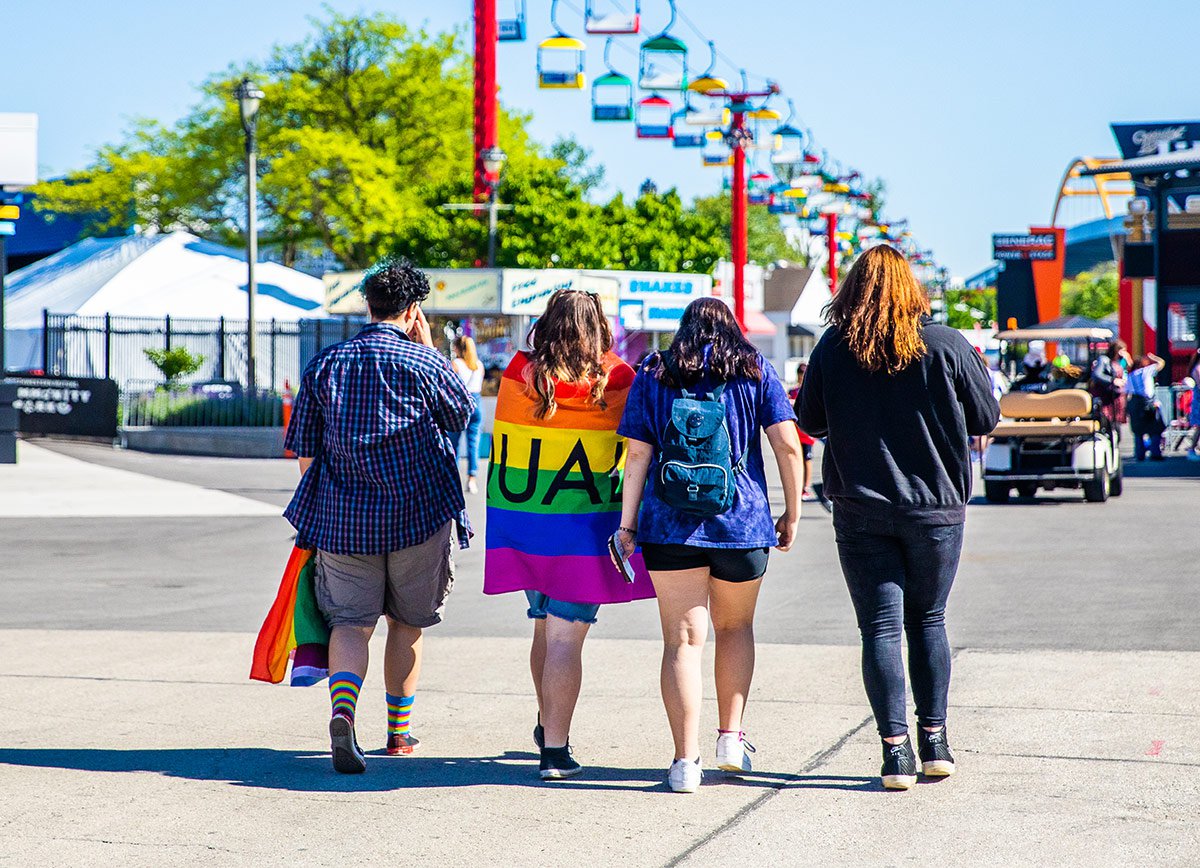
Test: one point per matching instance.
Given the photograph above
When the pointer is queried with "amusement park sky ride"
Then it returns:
(730, 125)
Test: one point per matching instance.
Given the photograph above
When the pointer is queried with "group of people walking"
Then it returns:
(608, 485)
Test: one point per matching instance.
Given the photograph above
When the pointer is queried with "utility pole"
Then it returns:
(831, 223)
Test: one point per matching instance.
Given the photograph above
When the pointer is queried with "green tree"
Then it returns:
(358, 121)
(966, 307)
(1092, 294)
(767, 242)
(174, 364)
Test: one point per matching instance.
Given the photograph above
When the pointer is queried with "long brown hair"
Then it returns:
(568, 344)
(464, 348)
(709, 338)
(878, 310)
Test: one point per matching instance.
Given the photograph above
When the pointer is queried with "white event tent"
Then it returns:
(174, 275)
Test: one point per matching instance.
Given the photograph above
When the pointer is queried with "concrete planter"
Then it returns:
(220, 442)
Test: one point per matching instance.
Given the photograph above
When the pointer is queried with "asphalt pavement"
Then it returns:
(1052, 572)
(131, 586)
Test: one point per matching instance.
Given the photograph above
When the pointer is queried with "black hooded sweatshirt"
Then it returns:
(898, 444)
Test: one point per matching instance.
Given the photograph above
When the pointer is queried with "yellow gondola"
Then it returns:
(560, 59)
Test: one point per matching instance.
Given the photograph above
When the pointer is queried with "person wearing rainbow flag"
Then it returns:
(554, 499)
(379, 497)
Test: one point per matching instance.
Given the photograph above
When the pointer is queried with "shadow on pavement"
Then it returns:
(1169, 468)
(797, 782)
(305, 771)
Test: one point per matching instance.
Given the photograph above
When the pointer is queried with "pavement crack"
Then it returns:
(812, 765)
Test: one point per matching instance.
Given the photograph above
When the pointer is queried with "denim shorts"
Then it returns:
(540, 606)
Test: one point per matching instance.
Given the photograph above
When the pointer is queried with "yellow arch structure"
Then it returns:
(1102, 186)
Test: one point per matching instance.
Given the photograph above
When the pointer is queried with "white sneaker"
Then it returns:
(472, 486)
(684, 776)
(733, 752)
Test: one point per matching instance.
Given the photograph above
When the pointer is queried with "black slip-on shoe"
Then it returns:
(899, 771)
(934, 749)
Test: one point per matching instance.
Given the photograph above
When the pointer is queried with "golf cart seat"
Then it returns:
(1065, 413)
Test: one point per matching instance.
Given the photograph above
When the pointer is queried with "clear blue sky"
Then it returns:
(969, 111)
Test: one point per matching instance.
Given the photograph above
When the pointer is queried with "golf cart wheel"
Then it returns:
(1026, 489)
(996, 492)
(1096, 491)
(1116, 482)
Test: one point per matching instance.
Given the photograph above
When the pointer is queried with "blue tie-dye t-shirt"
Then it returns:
(750, 407)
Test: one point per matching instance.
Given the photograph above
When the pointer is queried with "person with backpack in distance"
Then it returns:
(898, 399)
(695, 499)
(553, 499)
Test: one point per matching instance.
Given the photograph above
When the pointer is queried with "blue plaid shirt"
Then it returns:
(376, 413)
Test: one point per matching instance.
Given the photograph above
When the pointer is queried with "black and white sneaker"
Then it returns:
(899, 770)
(557, 764)
(936, 759)
(348, 757)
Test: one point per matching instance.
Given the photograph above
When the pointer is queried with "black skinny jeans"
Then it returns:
(899, 573)
(1137, 408)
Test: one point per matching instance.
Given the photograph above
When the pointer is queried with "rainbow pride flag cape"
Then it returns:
(554, 492)
(294, 629)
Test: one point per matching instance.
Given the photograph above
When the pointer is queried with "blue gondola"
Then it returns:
(716, 151)
(512, 29)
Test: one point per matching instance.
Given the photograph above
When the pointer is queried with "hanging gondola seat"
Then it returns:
(654, 117)
(781, 205)
(512, 29)
(716, 116)
(716, 150)
(663, 64)
(789, 146)
(760, 189)
(560, 63)
(601, 18)
(682, 137)
(708, 84)
(612, 97)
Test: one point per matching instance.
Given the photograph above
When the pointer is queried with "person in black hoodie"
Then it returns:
(898, 399)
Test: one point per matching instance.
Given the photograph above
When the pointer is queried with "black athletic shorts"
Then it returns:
(806, 450)
(728, 565)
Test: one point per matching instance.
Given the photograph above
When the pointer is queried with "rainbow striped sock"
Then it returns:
(399, 714)
(343, 692)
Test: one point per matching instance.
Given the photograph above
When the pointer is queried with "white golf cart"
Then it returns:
(1054, 437)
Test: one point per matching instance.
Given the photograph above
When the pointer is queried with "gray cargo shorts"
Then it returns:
(409, 585)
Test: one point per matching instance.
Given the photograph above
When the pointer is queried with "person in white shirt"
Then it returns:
(1142, 407)
(470, 371)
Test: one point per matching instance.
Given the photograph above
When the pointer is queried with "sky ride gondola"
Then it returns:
(609, 18)
(512, 29)
(560, 59)
(709, 81)
(789, 141)
(760, 189)
(716, 152)
(685, 138)
(612, 93)
(663, 63)
(655, 116)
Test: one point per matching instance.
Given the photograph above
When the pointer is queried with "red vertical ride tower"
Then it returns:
(485, 91)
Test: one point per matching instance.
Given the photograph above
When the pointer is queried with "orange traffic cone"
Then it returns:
(288, 400)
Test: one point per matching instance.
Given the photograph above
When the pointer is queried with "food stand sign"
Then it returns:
(527, 291)
(65, 405)
(1032, 245)
(661, 298)
(452, 290)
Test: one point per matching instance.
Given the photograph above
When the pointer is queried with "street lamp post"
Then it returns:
(493, 164)
(249, 99)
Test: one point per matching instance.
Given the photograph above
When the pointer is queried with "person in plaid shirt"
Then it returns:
(379, 497)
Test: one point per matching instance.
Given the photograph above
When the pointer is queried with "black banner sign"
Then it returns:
(66, 405)
(1025, 246)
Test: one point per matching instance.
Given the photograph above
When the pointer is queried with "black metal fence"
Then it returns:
(114, 347)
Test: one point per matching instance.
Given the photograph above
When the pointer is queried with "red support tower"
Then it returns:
(831, 238)
(738, 226)
(485, 91)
